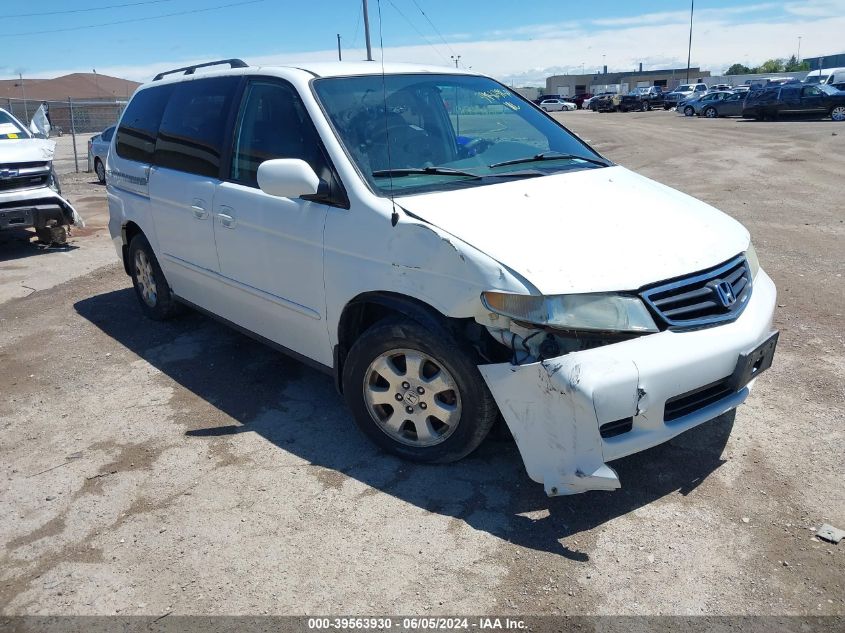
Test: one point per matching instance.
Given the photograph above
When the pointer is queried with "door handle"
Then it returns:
(227, 220)
(198, 209)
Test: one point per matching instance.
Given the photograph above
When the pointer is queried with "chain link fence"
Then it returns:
(72, 117)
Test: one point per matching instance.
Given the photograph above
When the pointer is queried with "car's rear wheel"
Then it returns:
(100, 170)
(711, 113)
(151, 287)
(689, 111)
(646, 106)
(838, 113)
(417, 393)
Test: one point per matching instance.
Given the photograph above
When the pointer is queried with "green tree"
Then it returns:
(738, 69)
(793, 65)
(772, 66)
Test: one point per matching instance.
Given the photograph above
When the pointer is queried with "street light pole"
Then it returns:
(799, 49)
(367, 32)
(339, 57)
(689, 49)
(457, 58)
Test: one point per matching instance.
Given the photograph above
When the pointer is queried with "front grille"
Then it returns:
(692, 401)
(24, 182)
(712, 296)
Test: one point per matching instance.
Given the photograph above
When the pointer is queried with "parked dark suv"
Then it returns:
(795, 99)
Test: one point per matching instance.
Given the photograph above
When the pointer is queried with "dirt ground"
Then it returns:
(149, 468)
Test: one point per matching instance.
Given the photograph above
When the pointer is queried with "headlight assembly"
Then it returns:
(753, 262)
(605, 312)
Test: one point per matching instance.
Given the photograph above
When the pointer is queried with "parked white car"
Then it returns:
(421, 235)
(30, 194)
(557, 105)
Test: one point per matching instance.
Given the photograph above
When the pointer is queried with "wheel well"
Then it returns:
(130, 230)
(369, 308)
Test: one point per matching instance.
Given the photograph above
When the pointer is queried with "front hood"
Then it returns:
(26, 150)
(587, 231)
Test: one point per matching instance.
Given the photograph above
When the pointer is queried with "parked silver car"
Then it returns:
(731, 105)
(692, 107)
(98, 150)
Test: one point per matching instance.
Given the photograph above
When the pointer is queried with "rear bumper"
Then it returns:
(25, 208)
(555, 408)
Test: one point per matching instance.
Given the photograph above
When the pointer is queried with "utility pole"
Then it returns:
(457, 58)
(25, 108)
(799, 49)
(689, 50)
(367, 32)
(339, 58)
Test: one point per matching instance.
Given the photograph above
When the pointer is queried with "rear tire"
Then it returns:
(150, 285)
(417, 393)
(838, 113)
(711, 113)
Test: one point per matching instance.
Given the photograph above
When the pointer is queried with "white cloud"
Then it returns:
(528, 54)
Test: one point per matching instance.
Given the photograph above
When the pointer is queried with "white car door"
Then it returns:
(270, 249)
(185, 172)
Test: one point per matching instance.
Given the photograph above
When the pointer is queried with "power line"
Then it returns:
(436, 30)
(129, 21)
(108, 6)
(413, 26)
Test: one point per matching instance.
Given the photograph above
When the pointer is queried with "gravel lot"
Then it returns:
(151, 468)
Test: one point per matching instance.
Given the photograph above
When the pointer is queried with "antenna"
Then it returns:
(367, 31)
(394, 216)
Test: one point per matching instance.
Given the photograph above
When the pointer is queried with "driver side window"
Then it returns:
(273, 123)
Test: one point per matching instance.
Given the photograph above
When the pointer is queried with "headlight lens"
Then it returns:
(753, 262)
(600, 312)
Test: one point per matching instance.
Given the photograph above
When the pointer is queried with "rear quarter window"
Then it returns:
(192, 130)
(138, 129)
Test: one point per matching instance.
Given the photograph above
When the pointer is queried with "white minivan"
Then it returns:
(432, 239)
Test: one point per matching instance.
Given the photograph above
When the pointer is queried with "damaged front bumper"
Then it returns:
(39, 208)
(572, 414)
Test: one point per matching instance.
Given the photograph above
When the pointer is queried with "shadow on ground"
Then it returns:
(297, 409)
(20, 243)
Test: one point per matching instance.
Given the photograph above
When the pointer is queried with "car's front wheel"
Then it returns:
(100, 170)
(151, 287)
(838, 113)
(689, 111)
(417, 393)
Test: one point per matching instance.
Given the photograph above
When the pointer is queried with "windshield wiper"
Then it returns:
(549, 156)
(434, 171)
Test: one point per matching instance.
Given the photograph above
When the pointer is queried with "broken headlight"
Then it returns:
(53, 181)
(605, 312)
(753, 262)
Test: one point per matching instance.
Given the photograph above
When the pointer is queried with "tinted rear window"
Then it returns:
(136, 135)
(191, 135)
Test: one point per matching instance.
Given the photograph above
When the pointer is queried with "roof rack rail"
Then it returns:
(189, 70)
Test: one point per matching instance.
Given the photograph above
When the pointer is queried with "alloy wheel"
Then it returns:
(146, 280)
(838, 113)
(412, 398)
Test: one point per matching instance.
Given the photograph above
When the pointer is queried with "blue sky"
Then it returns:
(520, 42)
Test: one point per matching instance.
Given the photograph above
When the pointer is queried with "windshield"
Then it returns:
(831, 90)
(684, 88)
(10, 127)
(425, 132)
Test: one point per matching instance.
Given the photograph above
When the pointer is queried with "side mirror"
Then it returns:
(287, 178)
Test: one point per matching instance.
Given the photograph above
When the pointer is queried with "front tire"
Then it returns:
(689, 111)
(100, 170)
(151, 287)
(416, 393)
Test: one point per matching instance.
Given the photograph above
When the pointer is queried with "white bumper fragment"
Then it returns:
(555, 408)
(42, 197)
